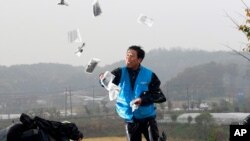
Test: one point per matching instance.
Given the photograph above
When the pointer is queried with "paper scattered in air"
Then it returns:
(79, 50)
(96, 8)
(113, 89)
(74, 36)
(142, 19)
(62, 2)
(92, 64)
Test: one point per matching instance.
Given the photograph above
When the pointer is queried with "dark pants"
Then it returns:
(147, 127)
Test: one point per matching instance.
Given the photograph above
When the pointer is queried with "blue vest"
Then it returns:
(126, 95)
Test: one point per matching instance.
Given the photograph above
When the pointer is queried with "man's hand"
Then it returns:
(134, 104)
(137, 101)
(101, 75)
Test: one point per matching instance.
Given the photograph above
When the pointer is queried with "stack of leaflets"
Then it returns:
(107, 82)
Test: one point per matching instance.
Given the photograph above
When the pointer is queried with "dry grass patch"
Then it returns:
(122, 139)
(106, 139)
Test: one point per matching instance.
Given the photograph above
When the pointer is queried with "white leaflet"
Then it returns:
(92, 64)
(142, 19)
(74, 36)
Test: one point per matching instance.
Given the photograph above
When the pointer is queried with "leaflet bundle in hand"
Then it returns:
(113, 89)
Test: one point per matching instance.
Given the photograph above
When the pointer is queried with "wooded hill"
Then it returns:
(176, 68)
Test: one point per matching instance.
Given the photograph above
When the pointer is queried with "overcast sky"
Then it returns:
(35, 31)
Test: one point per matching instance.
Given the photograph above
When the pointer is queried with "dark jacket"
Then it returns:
(57, 130)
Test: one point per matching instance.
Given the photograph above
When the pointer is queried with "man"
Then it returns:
(139, 87)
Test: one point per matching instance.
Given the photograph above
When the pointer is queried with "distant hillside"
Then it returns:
(40, 78)
(53, 78)
(208, 81)
(168, 63)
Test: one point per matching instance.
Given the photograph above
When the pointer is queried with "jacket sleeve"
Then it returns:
(154, 93)
(117, 73)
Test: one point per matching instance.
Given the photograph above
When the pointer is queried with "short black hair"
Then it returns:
(139, 50)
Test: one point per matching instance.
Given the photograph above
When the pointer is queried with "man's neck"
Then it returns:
(135, 68)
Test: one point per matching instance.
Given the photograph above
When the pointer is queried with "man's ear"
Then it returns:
(140, 60)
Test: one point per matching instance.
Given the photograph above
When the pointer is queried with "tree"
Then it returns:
(204, 126)
(185, 106)
(87, 109)
(204, 119)
(170, 105)
(51, 113)
(174, 117)
(189, 119)
(225, 106)
(245, 28)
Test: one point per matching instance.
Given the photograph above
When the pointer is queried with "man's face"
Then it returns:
(132, 61)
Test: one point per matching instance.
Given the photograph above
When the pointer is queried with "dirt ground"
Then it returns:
(121, 139)
(107, 139)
